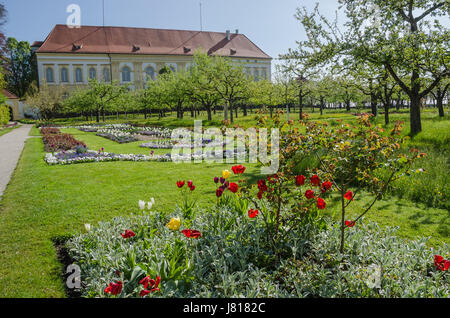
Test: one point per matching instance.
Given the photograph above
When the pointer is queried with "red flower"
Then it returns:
(441, 263)
(348, 195)
(259, 195)
(128, 234)
(192, 187)
(190, 183)
(350, 223)
(239, 169)
(192, 233)
(252, 213)
(114, 288)
(262, 185)
(273, 178)
(233, 187)
(144, 292)
(315, 180)
(149, 283)
(326, 186)
(309, 194)
(180, 184)
(219, 192)
(321, 203)
(300, 180)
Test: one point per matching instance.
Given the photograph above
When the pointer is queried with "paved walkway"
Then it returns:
(11, 146)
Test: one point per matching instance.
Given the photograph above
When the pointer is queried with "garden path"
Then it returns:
(11, 146)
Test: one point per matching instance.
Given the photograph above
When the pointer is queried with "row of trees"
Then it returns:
(393, 48)
(213, 82)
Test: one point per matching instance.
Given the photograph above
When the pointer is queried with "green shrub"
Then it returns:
(233, 259)
(4, 114)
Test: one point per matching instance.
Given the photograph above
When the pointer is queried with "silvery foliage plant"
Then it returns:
(233, 258)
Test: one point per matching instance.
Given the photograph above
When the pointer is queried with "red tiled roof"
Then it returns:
(8, 94)
(125, 40)
(37, 43)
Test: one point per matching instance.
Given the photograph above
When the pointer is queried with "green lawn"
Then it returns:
(43, 202)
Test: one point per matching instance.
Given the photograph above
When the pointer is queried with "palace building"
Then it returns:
(72, 56)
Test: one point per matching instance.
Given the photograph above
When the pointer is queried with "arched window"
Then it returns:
(78, 75)
(49, 75)
(106, 76)
(126, 74)
(64, 75)
(149, 73)
(92, 73)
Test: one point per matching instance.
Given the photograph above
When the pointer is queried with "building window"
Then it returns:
(49, 75)
(256, 75)
(64, 75)
(106, 75)
(264, 74)
(126, 74)
(92, 73)
(78, 75)
(172, 68)
(149, 73)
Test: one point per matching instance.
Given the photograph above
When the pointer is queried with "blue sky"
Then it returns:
(268, 23)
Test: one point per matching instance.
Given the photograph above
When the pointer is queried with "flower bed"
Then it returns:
(54, 140)
(230, 258)
(73, 157)
(235, 249)
(117, 136)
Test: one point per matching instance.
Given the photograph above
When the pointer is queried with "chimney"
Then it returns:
(228, 35)
(237, 31)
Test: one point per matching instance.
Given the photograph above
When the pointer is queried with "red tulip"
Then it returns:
(190, 183)
(128, 234)
(114, 288)
(262, 185)
(315, 180)
(326, 186)
(348, 195)
(192, 187)
(238, 169)
(309, 194)
(321, 203)
(252, 213)
(350, 223)
(300, 180)
(259, 195)
(180, 184)
(441, 263)
(149, 283)
(233, 187)
(191, 233)
(219, 192)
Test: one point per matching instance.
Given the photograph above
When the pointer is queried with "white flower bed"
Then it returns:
(71, 157)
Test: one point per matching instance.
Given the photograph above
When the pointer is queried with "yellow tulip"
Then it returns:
(174, 224)
(226, 174)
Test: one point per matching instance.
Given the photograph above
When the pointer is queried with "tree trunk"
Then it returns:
(440, 105)
(386, 114)
(414, 114)
(231, 112)
(347, 105)
(208, 110)
(97, 117)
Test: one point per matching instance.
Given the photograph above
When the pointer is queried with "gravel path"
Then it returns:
(11, 146)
